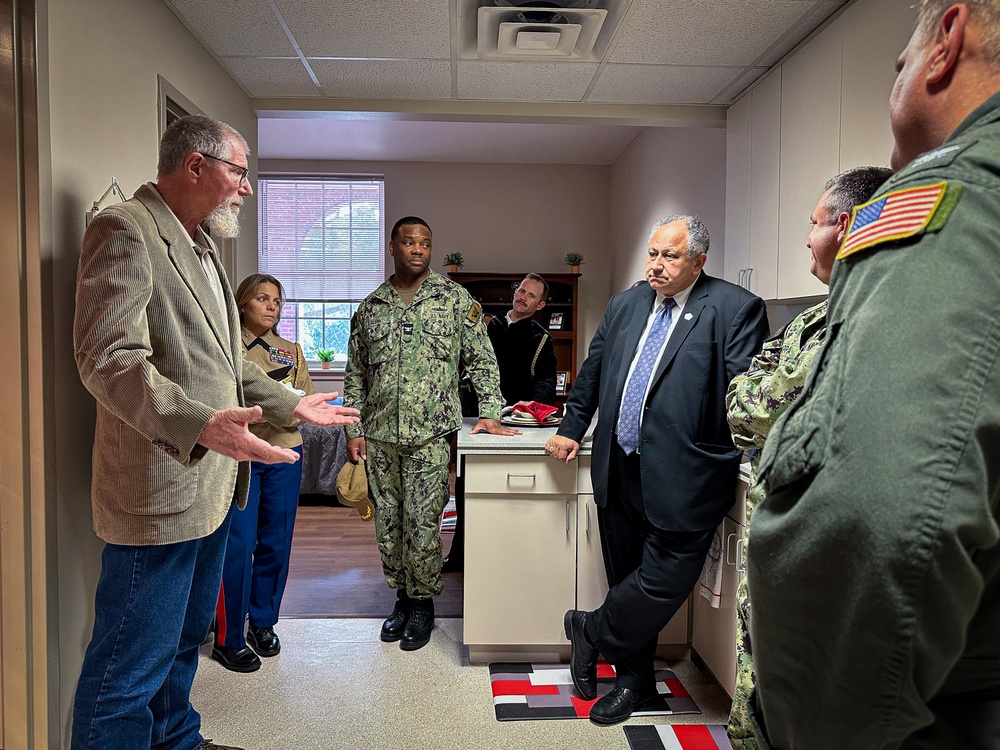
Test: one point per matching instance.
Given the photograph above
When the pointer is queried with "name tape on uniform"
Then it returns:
(898, 215)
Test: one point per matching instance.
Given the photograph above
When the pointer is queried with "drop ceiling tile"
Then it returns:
(706, 32)
(384, 79)
(266, 77)
(236, 27)
(387, 28)
(660, 84)
(524, 81)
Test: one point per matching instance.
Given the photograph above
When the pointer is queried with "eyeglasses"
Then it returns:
(242, 171)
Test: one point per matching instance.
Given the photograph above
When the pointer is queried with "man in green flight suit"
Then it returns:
(774, 380)
(875, 568)
(407, 339)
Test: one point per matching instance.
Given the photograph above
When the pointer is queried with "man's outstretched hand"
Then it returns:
(226, 433)
(314, 409)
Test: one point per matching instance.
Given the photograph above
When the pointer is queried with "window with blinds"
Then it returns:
(322, 238)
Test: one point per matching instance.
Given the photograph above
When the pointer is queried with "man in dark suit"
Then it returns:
(664, 465)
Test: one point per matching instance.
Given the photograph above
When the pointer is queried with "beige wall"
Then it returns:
(666, 171)
(505, 218)
(98, 115)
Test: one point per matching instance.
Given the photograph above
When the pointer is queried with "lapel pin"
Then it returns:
(687, 316)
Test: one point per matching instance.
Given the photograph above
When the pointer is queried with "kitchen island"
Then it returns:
(532, 548)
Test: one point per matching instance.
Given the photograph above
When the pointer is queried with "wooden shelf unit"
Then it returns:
(495, 292)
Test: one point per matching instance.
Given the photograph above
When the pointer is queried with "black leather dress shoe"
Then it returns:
(392, 628)
(619, 704)
(418, 628)
(582, 656)
(264, 641)
(209, 745)
(236, 659)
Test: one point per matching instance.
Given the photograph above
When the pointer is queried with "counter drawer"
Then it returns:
(494, 475)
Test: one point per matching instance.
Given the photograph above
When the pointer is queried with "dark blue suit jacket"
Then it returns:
(688, 462)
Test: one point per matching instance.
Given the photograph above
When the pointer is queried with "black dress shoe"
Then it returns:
(392, 628)
(619, 704)
(236, 659)
(209, 745)
(418, 628)
(264, 641)
(582, 655)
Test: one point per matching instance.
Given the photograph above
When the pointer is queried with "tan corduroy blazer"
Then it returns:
(152, 347)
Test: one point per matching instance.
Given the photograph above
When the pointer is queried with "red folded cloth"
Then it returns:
(539, 411)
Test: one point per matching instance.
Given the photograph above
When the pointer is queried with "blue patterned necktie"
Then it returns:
(635, 389)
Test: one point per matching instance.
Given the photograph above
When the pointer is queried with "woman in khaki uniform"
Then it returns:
(260, 538)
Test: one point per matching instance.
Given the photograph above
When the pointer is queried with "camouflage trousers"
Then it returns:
(409, 484)
(740, 731)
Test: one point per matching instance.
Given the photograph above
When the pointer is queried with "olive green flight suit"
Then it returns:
(875, 572)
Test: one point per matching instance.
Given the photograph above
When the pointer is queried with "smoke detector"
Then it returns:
(536, 28)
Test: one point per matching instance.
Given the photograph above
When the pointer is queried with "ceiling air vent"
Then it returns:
(566, 30)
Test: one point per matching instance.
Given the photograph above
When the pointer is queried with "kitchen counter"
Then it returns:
(531, 441)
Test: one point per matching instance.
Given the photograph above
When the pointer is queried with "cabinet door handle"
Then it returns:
(749, 277)
(739, 277)
(729, 560)
(520, 476)
(587, 509)
(567, 517)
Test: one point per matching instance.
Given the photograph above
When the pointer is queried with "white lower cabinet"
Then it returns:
(532, 552)
(713, 630)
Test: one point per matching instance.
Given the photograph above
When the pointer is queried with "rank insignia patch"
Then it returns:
(898, 215)
(281, 356)
(475, 313)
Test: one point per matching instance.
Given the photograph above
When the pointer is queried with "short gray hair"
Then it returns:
(195, 133)
(986, 14)
(853, 187)
(697, 240)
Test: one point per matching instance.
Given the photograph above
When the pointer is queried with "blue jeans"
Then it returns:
(260, 543)
(153, 609)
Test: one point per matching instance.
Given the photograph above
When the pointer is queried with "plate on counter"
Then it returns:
(530, 421)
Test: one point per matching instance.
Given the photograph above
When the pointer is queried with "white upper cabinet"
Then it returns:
(738, 190)
(874, 34)
(765, 162)
(810, 154)
(823, 110)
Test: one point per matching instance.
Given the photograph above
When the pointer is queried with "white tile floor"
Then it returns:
(336, 685)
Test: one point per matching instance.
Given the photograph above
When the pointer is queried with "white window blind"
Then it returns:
(323, 238)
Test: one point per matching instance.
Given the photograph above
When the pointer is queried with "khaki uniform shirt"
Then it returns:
(284, 362)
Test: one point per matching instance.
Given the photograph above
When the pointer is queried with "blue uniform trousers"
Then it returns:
(153, 608)
(260, 543)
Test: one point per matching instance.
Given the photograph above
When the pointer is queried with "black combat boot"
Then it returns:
(392, 628)
(419, 626)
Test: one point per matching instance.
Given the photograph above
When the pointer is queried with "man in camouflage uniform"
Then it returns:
(775, 379)
(875, 567)
(407, 339)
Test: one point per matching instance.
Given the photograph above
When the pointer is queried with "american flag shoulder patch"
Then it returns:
(898, 215)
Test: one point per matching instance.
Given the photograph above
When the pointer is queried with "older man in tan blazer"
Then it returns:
(157, 342)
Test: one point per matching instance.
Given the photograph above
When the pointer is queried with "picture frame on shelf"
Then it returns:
(556, 321)
(562, 381)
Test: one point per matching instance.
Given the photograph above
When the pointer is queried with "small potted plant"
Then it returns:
(574, 261)
(325, 357)
(454, 261)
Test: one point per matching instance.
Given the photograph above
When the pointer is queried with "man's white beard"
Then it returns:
(223, 221)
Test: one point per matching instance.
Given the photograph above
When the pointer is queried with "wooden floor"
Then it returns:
(335, 569)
